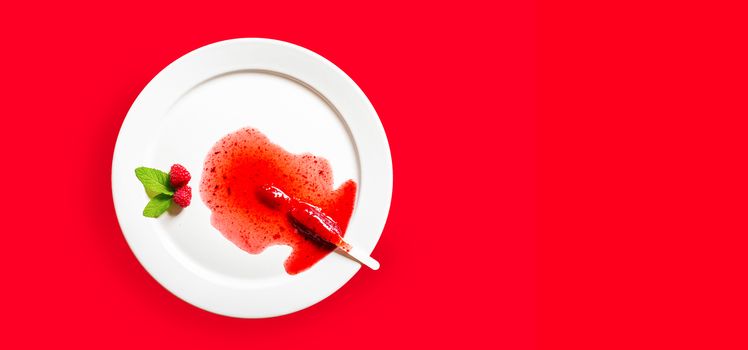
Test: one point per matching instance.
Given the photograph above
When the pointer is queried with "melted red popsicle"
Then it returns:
(308, 219)
(244, 161)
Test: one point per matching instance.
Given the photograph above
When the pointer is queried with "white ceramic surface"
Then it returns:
(300, 101)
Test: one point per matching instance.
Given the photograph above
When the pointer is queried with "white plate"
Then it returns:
(300, 101)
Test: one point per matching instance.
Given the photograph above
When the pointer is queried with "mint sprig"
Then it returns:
(154, 180)
(156, 183)
(157, 206)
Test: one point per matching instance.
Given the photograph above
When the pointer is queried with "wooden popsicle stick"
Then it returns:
(359, 256)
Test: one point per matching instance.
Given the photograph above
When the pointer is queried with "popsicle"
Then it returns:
(311, 221)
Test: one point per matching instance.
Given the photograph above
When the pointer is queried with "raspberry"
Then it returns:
(179, 176)
(183, 196)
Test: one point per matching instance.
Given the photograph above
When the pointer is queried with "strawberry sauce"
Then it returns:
(245, 160)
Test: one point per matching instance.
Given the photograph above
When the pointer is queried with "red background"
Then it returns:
(593, 154)
(642, 125)
(453, 87)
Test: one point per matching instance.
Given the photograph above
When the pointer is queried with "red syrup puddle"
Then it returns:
(239, 164)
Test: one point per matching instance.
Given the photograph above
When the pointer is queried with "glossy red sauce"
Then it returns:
(244, 160)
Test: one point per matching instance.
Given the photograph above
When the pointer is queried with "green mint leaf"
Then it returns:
(157, 206)
(155, 181)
